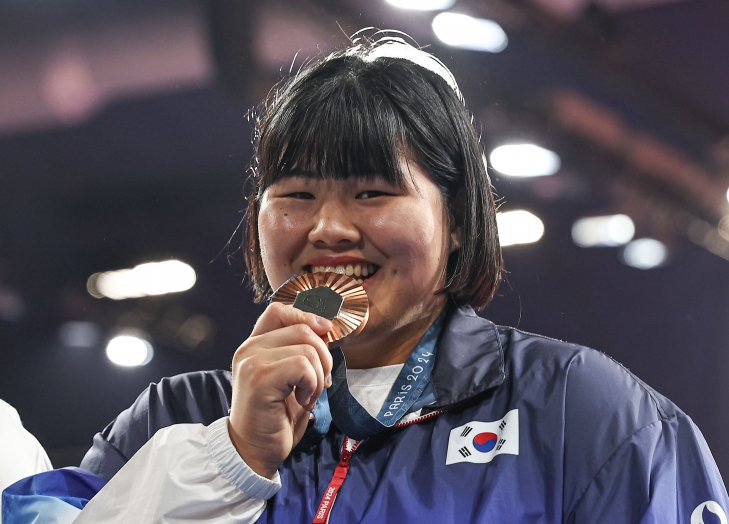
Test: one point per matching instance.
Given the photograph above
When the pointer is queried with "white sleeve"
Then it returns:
(186, 473)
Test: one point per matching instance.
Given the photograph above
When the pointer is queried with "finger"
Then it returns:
(279, 315)
(276, 355)
(296, 335)
(295, 373)
(277, 372)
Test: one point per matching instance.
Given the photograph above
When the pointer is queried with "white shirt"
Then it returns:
(190, 473)
(371, 386)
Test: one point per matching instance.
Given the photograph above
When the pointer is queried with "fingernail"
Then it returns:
(328, 381)
(321, 321)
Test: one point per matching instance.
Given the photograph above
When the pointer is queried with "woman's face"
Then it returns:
(357, 226)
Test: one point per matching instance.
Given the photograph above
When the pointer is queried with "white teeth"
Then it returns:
(351, 270)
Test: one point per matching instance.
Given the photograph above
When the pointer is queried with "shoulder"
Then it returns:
(592, 382)
(8, 414)
(600, 403)
(200, 397)
(21, 454)
(188, 398)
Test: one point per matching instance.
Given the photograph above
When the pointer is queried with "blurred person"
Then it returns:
(367, 162)
(21, 455)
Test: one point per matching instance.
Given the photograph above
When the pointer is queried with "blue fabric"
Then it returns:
(596, 445)
(40, 509)
(320, 427)
(50, 497)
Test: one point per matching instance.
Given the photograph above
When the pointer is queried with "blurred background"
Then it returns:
(124, 140)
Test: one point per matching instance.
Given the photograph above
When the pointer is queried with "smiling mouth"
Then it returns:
(359, 271)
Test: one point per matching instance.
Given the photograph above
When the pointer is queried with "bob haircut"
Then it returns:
(358, 112)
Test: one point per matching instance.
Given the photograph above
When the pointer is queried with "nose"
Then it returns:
(333, 227)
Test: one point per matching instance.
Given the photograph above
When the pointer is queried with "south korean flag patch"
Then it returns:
(480, 442)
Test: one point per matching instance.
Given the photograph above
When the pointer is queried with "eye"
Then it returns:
(370, 194)
(300, 195)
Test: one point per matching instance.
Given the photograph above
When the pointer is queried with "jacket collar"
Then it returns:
(469, 360)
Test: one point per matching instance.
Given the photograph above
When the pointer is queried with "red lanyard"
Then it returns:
(340, 473)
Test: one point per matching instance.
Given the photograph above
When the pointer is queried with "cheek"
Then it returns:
(278, 237)
(412, 236)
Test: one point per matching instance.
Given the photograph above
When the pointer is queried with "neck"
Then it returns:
(391, 347)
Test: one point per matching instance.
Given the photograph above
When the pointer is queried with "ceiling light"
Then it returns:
(153, 278)
(525, 160)
(12, 307)
(645, 253)
(129, 351)
(422, 5)
(78, 334)
(518, 227)
(471, 33)
(603, 231)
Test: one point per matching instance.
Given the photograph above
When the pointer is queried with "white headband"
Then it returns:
(396, 47)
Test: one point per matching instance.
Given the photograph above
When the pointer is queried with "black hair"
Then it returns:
(351, 115)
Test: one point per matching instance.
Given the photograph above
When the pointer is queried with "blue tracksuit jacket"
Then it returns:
(595, 444)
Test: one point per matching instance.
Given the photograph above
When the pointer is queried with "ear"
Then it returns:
(455, 239)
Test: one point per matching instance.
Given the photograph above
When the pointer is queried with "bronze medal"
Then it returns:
(334, 296)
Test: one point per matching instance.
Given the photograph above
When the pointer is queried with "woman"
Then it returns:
(367, 163)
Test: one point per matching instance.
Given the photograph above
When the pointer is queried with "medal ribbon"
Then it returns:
(353, 419)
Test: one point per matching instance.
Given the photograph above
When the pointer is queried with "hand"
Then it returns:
(278, 374)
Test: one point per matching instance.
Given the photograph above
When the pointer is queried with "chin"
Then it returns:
(359, 339)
